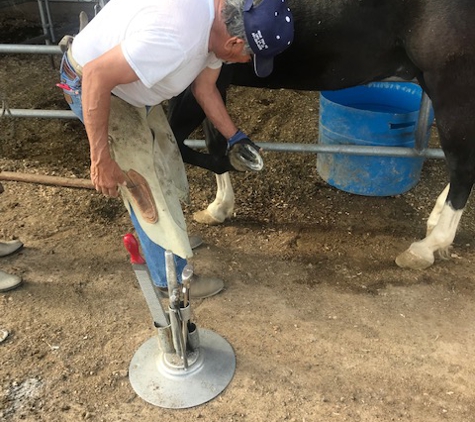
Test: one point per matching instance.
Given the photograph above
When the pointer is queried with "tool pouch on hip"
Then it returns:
(65, 42)
(68, 39)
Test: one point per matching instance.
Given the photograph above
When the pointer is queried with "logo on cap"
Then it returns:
(259, 40)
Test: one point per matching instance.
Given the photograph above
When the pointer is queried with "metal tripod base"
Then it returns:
(161, 383)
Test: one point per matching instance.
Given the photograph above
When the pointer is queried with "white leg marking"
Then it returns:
(223, 205)
(435, 214)
(420, 255)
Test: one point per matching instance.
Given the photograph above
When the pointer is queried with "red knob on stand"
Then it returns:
(132, 246)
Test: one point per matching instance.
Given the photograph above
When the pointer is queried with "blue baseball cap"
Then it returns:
(269, 31)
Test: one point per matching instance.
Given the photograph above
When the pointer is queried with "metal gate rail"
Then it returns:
(420, 149)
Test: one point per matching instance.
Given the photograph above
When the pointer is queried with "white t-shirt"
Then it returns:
(164, 41)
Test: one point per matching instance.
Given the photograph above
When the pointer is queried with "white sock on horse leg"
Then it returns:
(420, 255)
(435, 214)
(223, 206)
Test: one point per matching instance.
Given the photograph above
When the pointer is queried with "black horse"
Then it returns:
(344, 43)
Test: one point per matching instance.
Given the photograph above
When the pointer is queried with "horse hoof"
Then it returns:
(409, 259)
(204, 217)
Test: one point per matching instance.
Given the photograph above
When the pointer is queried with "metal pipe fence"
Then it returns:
(420, 149)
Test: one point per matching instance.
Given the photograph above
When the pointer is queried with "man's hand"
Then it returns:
(243, 153)
(106, 177)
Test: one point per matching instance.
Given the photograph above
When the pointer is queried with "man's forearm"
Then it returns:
(96, 108)
(215, 110)
(106, 175)
(100, 76)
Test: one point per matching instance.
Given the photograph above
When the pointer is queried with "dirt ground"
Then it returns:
(324, 325)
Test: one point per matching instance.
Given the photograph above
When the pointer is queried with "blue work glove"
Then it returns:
(243, 153)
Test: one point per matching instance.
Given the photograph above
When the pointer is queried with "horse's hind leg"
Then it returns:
(454, 111)
(420, 255)
(437, 210)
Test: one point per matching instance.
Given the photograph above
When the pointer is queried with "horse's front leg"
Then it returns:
(222, 207)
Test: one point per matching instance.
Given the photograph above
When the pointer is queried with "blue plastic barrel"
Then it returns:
(378, 114)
